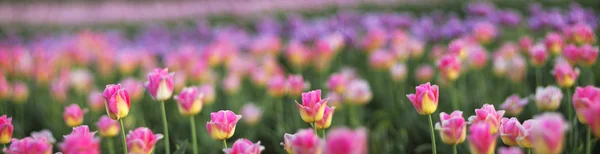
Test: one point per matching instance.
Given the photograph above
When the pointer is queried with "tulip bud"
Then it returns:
(588, 54)
(538, 55)
(513, 105)
(425, 99)
(189, 101)
(73, 115)
(108, 127)
(141, 140)
(116, 101)
(244, 146)
(481, 140)
(337, 82)
(488, 114)
(6, 129)
(160, 84)
(452, 127)
(548, 99)
(548, 132)
(312, 107)
(222, 124)
(565, 74)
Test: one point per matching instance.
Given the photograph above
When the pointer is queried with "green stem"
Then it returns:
(538, 77)
(592, 79)
(529, 151)
(111, 146)
(570, 116)
(123, 135)
(315, 127)
(453, 90)
(165, 127)
(194, 140)
(323, 133)
(225, 143)
(454, 149)
(432, 135)
(588, 148)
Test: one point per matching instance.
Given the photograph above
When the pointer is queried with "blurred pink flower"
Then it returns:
(358, 92)
(346, 141)
(95, 101)
(232, 84)
(525, 138)
(20, 92)
(251, 113)
(488, 114)
(565, 74)
(338, 82)
(134, 87)
(208, 92)
(452, 127)
(222, 124)
(29, 145)
(82, 80)
(373, 40)
(189, 101)
(510, 150)
(399, 72)
(484, 32)
(305, 141)
(571, 53)
(580, 33)
(538, 55)
(381, 60)
(295, 85)
(244, 146)
(312, 107)
(425, 99)
(424, 73)
(297, 54)
(142, 140)
(477, 57)
(44, 134)
(481, 140)
(449, 67)
(513, 105)
(108, 127)
(73, 115)
(160, 84)
(509, 131)
(81, 140)
(583, 99)
(6, 129)
(5, 87)
(517, 69)
(588, 54)
(276, 86)
(548, 132)
(549, 98)
(116, 100)
(525, 43)
(554, 43)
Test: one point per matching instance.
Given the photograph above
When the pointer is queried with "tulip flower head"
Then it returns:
(6, 129)
(481, 140)
(484, 32)
(160, 84)
(525, 43)
(251, 113)
(338, 82)
(488, 114)
(108, 127)
(548, 132)
(525, 138)
(571, 54)
(189, 101)
(425, 99)
(222, 124)
(81, 140)
(305, 141)
(538, 55)
(588, 54)
(554, 43)
(509, 131)
(73, 115)
(346, 141)
(116, 101)
(583, 99)
(477, 57)
(297, 54)
(29, 145)
(142, 140)
(381, 60)
(548, 99)
(510, 150)
(452, 127)
(449, 67)
(565, 74)
(312, 107)
(581, 33)
(358, 92)
(327, 116)
(513, 105)
(244, 146)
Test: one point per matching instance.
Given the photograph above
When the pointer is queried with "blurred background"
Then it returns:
(66, 51)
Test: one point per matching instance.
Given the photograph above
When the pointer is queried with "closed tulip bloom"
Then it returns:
(538, 55)
(549, 98)
(548, 132)
(583, 99)
(399, 72)
(425, 99)
(571, 54)
(208, 91)
(116, 101)
(244, 146)
(142, 140)
(449, 67)
(20, 92)
(381, 60)
(276, 86)
(509, 131)
(525, 138)
(481, 140)
(312, 107)
(305, 141)
(513, 105)
(251, 113)
(29, 145)
(189, 101)
(452, 127)
(488, 114)
(346, 141)
(358, 92)
(108, 127)
(73, 115)
(6, 129)
(160, 84)
(222, 124)
(424, 73)
(565, 74)
(588, 54)
(554, 43)
(327, 116)
(134, 87)
(510, 150)
(338, 82)
(581, 33)
(81, 141)
(295, 85)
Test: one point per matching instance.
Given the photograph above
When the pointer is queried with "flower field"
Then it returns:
(482, 78)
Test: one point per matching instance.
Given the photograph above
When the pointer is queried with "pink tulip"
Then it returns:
(44, 134)
(6, 129)
(244, 146)
(549, 98)
(399, 72)
(509, 131)
(29, 145)
(381, 60)
(134, 87)
(488, 114)
(266, 45)
(565, 74)
(222, 124)
(208, 91)
(425, 99)
(525, 138)
(160, 84)
(513, 105)
(592, 116)
(346, 141)
(232, 84)
(116, 101)
(297, 54)
(374, 39)
(477, 57)
(330, 43)
(251, 113)
(108, 127)
(452, 127)
(189, 101)
(141, 140)
(305, 141)
(127, 61)
(81, 141)
(484, 32)
(20, 92)
(95, 101)
(525, 43)
(449, 67)
(580, 33)
(312, 107)
(481, 140)
(548, 132)
(327, 116)
(583, 99)
(538, 55)
(295, 85)
(337, 82)
(588, 54)
(73, 115)
(458, 47)
(554, 43)
(424, 73)
(358, 92)
(571, 54)
(510, 150)
(276, 86)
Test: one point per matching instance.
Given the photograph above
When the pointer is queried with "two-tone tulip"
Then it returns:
(6, 129)
(449, 67)
(488, 114)
(481, 140)
(554, 42)
(142, 140)
(509, 131)
(425, 99)
(583, 99)
(251, 113)
(358, 92)
(548, 132)
(108, 127)
(452, 127)
(160, 84)
(305, 141)
(327, 117)
(116, 101)
(513, 105)
(189, 101)
(222, 124)
(81, 140)
(344, 141)
(312, 107)
(548, 98)
(564, 74)
(525, 138)
(244, 146)
(73, 115)
(29, 145)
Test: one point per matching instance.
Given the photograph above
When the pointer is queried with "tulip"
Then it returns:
(452, 127)
(6, 129)
(358, 92)
(548, 99)
(116, 101)
(20, 92)
(29, 145)
(335, 99)
(222, 124)
(554, 43)
(345, 141)
(565, 74)
(134, 88)
(276, 86)
(108, 127)
(580, 33)
(208, 91)
(81, 140)
(297, 54)
(179, 81)
(231, 84)
(571, 54)
(477, 57)
(73, 115)
(513, 105)
(305, 141)
(525, 43)
(312, 107)
(458, 47)
(327, 116)
(538, 55)
(488, 114)
(44, 134)
(244, 146)
(509, 131)
(189, 101)
(583, 99)
(588, 55)
(425, 100)
(374, 39)
(295, 85)
(484, 32)
(95, 101)
(251, 113)
(481, 140)
(548, 132)
(398, 72)
(142, 140)
(510, 150)
(337, 83)
(160, 84)
(525, 138)
(449, 67)
(591, 115)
